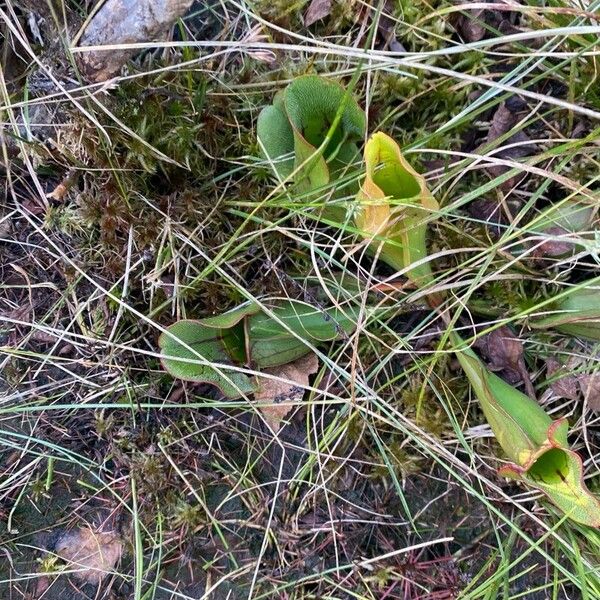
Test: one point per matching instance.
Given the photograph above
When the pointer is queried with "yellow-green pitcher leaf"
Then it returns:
(393, 208)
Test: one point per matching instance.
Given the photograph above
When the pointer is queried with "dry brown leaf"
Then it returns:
(553, 248)
(281, 395)
(565, 386)
(317, 10)
(125, 22)
(491, 212)
(387, 29)
(504, 353)
(475, 24)
(59, 192)
(504, 120)
(590, 387)
(570, 385)
(92, 554)
(472, 26)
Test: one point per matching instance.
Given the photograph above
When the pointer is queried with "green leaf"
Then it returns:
(186, 343)
(299, 122)
(577, 313)
(231, 317)
(272, 344)
(276, 139)
(537, 445)
(393, 207)
(519, 424)
(247, 335)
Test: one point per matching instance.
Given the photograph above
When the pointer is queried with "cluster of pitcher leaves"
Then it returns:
(310, 136)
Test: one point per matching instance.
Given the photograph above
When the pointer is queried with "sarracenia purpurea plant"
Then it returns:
(309, 135)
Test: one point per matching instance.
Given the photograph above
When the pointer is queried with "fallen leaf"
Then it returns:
(590, 387)
(478, 23)
(471, 26)
(279, 396)
(317, 10)
(92, 554)
(565, 386)
(387, 29)
(560, 225)
(42, 584)
(504, 120)
(572, 383)
(553, 247)
(489, 211)
(59, 192)
(504, 354)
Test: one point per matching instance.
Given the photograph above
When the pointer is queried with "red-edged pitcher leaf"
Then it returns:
(558, 473)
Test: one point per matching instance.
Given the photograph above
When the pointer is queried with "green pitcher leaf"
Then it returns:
(272, 344)
(294, 128)
(231, 317)
(248, 336)
(519, 423)
(577, 313)
(187, 340)
(393, 206)
(537, 445)
(312, 104)
(276, 139)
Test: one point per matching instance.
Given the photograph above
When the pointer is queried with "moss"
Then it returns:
(403, 459)
(185, 516)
